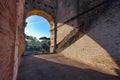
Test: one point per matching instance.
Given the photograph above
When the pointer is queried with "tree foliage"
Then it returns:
(44, 38)
(33, 44)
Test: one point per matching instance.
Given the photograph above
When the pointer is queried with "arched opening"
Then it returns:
(37, 35)
(51, 23)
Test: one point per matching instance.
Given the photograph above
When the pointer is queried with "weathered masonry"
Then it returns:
(84, 30)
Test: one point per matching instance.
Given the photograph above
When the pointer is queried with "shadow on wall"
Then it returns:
(104, 30)
(85, 19)
(33, 68)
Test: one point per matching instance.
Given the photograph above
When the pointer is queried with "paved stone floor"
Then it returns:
(57, 67)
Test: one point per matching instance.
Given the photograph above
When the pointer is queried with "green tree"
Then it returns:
(32, 44)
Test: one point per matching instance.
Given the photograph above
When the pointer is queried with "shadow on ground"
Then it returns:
(28, 53)
(39, 68)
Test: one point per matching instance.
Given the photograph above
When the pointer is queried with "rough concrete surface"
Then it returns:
(57, 67)
(100, 43)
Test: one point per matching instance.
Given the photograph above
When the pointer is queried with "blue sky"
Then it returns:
(37, 26)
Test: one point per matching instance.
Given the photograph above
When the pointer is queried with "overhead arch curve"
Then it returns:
(40, 13)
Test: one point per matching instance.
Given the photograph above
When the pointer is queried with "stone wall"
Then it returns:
(97, 39)
(66, 9)
(7, 38)
(19, 40)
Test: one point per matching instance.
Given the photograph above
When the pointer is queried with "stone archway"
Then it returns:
(26, 8)
(52, 26)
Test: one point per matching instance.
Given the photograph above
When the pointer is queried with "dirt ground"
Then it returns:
(57, 67)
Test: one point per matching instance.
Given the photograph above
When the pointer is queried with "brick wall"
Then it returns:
(7, 38)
